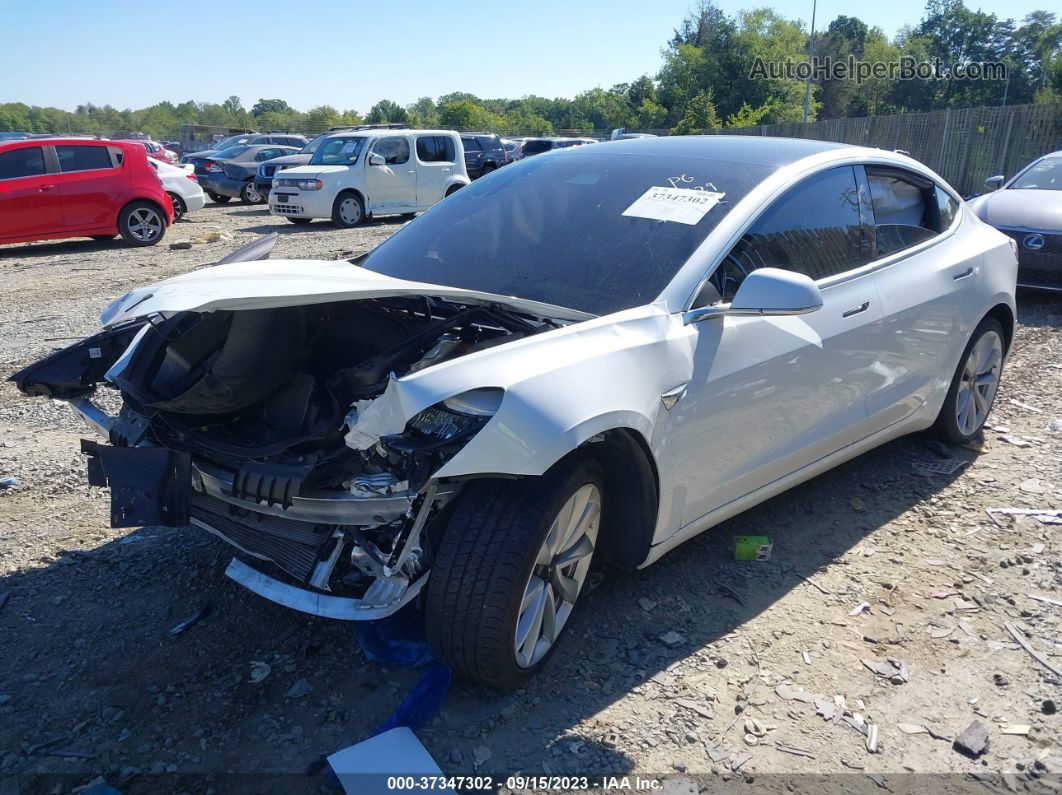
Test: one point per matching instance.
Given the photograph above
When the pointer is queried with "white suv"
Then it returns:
(355, 175)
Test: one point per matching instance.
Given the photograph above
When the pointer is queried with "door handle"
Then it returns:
(411, 171)
(44, 188)
(968, 272)
(863, 307)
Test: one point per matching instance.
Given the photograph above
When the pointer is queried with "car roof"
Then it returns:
(391, 131)
(66, 140)
(749, 148)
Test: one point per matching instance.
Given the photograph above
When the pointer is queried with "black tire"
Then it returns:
(947, 422)
(142, 223)
(300, 221)
(178, 207)
(486, 170)
(340, 210)
(103, 238)
(408, 216)
(246, 193)
(483, 563)
(217, 197)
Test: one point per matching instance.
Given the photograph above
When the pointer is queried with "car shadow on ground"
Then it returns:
(283, 227)
(87, 637)
(59, 248)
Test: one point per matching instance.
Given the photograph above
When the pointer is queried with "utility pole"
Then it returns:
(811, 58)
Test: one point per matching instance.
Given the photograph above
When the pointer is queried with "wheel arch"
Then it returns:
(133, 200)
(1005, 315)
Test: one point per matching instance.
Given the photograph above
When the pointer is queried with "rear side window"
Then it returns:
(813, 229)
(906, 211)
(25, 162)
(83, 158)
(471, 144)
(487, 142)
(947, 208)
(395, 150)
(436, 149)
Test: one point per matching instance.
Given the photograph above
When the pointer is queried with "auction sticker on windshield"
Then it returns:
(681, 205)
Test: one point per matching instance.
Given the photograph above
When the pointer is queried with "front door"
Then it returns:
(90, 184)
(29, 196)
(392, 186)
(769, 395)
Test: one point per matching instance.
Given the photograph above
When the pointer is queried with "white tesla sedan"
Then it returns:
(598, 352)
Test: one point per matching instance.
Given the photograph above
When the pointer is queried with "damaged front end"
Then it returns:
(266, 427)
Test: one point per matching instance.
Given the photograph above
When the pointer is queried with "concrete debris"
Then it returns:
(701, 709)
(973, 741)
(912, 728)
(859, 608)
(259, 671)
(298, 689)
(672, 639)
(892, 669)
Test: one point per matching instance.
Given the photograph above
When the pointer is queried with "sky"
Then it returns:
(63, 53)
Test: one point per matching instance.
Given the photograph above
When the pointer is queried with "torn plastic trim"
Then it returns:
(383, 598)
(333, 507)
(95, 417)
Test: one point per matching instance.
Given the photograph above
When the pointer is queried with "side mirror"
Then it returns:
(377, 160)
(766, 291)
(994, 183)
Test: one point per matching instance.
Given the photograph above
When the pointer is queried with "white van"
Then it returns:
(359, 174)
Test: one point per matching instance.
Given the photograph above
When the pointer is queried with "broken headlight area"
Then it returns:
(235, 422)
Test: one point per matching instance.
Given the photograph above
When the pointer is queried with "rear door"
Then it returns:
(925, 281)
(436, 156)
(29, 195)
(90, 184)
(770, 395)
(392, 187)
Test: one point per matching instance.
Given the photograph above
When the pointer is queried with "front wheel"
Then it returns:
(348, 210)
(141, 223)
(250, 194)
(974, 386)
(509, 570)
(217, 197)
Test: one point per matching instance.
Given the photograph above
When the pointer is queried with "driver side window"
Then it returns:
(395, 150)
(813, 229)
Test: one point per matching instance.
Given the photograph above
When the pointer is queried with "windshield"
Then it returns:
(338, 152)
(311, 147)
(553, 229)
(234, 151)
(1045, 174)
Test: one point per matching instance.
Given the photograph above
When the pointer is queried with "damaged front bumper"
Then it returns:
(311, 540)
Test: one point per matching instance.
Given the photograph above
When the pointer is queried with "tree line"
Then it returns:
(706, 80)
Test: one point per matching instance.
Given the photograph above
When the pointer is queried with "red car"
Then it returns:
(159, 152)
(75, 187)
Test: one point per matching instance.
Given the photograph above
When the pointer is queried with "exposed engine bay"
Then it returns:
(241, 422)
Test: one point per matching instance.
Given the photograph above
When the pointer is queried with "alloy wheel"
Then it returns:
(252, 194)
(145, 224)
(980, 379)
(558, 575)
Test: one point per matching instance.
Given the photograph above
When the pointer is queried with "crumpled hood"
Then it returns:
(1021, 209)
(266, 284)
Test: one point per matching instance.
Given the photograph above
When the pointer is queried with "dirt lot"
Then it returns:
(87, 661)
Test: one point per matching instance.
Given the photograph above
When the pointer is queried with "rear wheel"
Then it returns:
(974, 386)
(141, 223)
(178, 207)
(250, 194)
(348, 210)
(217, 197)
(510, 568)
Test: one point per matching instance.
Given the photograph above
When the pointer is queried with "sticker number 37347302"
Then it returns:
(681, 205)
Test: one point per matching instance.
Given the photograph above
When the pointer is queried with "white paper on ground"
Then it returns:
(682, 205)
(363, 769)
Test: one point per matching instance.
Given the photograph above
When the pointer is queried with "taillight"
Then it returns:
(192, 177)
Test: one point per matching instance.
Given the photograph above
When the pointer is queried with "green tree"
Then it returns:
(700, 116)
(264, 106)
(385, 111)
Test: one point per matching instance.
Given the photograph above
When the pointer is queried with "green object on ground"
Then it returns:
(752, 548)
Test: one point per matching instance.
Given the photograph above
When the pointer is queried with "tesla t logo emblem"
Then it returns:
(1033, 242)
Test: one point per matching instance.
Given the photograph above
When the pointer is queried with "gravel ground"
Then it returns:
(769, 675)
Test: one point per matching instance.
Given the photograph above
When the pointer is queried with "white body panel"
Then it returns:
(175, 180)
